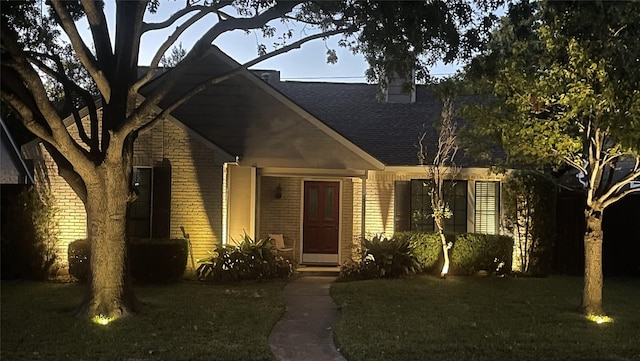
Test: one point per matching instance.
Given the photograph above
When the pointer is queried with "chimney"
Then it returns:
(269, 76)
(401, 89)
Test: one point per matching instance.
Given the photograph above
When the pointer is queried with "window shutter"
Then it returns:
(161, 212)
(487, 207)
(402, 207)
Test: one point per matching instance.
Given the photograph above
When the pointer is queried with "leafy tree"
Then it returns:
(529, 201)
(394, 36)
(564, 92)
(177, 54)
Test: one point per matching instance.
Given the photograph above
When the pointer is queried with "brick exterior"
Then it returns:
(196, 187)
(284, 215)
(281, 215)
(197, 195)
(380, 195)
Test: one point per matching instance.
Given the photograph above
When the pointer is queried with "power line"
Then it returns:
(349, 77)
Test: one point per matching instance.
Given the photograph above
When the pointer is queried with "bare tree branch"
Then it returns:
(619, 196)
(203, 10)
(99, 32)
(153, 67)
(69, 85)
(83, 53)
(27, 116)
(617, 186)
(66, 171)
(147, 105)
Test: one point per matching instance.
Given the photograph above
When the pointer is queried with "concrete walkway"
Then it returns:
(305, 331)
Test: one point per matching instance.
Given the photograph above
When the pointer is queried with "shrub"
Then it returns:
(152, 260)
(426, 248)
(381, 257)
(30, 233)
(157, 259)
(79, 253)
(246, 260)
(473, 252)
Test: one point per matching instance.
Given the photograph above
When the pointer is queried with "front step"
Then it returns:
(329, 271)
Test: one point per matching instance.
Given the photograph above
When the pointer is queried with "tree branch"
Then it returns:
(82, 52)
(100, 33)
(153, 67)
(58, 135)
(67, 83)
(634, 174)
(147, 105)
(27, 116)
(66, 171)
(619, 196)
(182, 12)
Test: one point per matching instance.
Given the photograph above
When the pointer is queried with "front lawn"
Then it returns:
(490, 318)
(185, 321)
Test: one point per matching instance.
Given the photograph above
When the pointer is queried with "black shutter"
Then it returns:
(402, 206)
(161, 212)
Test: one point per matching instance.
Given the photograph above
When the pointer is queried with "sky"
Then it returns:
(305, 64)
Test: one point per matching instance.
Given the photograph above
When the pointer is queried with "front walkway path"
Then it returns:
(305, 331)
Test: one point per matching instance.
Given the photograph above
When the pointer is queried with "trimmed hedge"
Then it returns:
(471, 252)
(158, 259)
(152, 260)
(426, 249)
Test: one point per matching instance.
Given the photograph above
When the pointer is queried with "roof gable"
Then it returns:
(246, 117)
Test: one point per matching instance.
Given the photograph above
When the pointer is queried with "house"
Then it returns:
(322, 163)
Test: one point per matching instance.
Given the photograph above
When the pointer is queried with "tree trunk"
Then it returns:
(110, 292)
(445, 248)
(445, 252)
(592, 293)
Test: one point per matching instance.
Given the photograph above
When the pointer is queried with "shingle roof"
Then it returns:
(387, 131)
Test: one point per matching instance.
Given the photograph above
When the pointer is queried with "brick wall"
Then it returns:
(281, 215)
(72, 217)
(380, 195)
(196, 187)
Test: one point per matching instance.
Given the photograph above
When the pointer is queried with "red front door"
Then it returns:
(321, 218)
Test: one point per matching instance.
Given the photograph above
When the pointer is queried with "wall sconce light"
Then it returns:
(279, 191)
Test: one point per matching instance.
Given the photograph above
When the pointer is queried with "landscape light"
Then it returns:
(102, 320)
(600, 319)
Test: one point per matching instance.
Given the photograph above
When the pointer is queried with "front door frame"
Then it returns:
(313, 258)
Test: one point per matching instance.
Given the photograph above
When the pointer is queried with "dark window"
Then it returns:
(487, 207)
(455, 194)
(150, 214)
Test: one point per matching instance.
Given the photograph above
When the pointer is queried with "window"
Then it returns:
(455, 194)
(487, 207)
(149, 215)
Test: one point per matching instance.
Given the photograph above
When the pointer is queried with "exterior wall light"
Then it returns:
(279, 191)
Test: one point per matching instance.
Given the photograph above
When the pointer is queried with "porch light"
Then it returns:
(279, 191)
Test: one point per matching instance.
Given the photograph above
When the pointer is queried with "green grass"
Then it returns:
(186, 321)
(471, 318)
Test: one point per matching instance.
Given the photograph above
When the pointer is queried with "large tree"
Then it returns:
(394, 36)
(564, 92)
